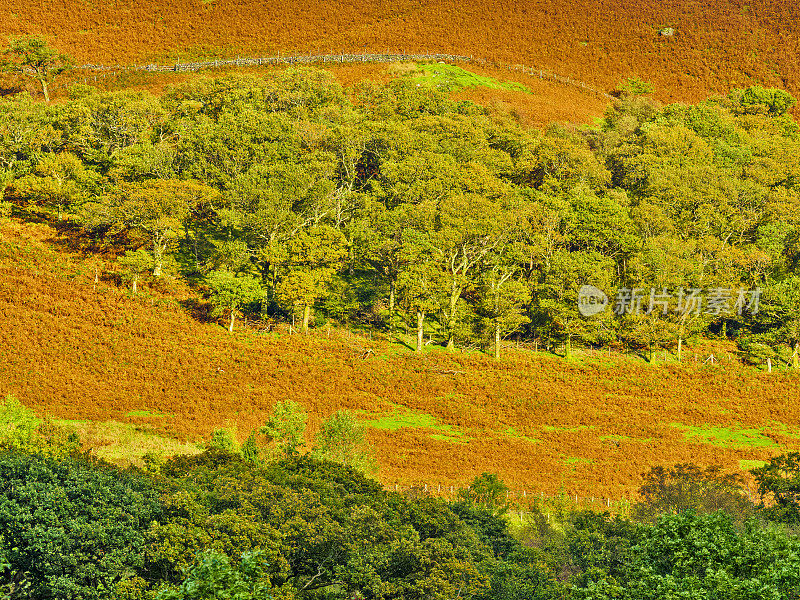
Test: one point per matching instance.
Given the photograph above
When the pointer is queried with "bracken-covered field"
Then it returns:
(715, 45)
(78, 349)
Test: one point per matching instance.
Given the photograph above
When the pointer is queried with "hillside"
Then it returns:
(715, 46)
(76, 349)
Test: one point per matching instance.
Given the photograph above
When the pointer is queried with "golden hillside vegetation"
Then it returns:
(76, 349)
(715, 45)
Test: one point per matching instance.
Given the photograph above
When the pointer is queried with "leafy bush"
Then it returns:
(224, 440)
(285, 427)
(341, 439)
(779, 485)
(687, 486)
(77, 529)
(699, 556)
(757, 99)
(17, 423)
(21, 430)
(214, 578)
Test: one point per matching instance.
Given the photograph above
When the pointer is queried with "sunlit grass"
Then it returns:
(453, 78)
(728, 437)
(122, 443)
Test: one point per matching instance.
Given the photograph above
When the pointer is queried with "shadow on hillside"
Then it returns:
(403, 343)
(74, 238)
(198, 309)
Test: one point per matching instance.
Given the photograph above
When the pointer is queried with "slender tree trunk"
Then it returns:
(568, 347)
(451, 318)
(420, 323)
(306, 317)
(681, 331)
(158, 255)
(44, 89)
(233, 318)
(497, 339)
(135, 281)
(795, 357)
(392, 286)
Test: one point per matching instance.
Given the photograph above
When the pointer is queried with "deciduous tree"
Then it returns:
(33, 57)
(231, 292)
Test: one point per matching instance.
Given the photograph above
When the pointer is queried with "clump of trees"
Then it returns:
(395, 207)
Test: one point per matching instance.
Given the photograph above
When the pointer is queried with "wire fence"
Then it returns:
(519, 499)
(103, 72)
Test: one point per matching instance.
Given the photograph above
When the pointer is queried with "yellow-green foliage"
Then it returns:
(22, 430)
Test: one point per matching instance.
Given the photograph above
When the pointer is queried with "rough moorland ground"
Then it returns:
(714, 45)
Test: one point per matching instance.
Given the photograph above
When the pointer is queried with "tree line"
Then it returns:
(391, 206)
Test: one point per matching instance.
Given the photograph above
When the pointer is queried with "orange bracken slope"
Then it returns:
(716, 45)
(76, 349)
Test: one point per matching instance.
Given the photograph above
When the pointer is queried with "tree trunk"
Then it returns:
(681, 332)
(568, 347)
(795, 358)
(158, 255)
(420, 322)
(497, 340)
(451, 318)
(135, 281)
(306, 317)
(233, 318)
(392, 286)
(44, 89)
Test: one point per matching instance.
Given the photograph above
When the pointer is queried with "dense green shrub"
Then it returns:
(70, 528)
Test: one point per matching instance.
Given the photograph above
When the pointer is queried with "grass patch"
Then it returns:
(452, 78)
(556, 429)
(405, 418)
(747, 465)
(457, 439)
(577, 460)
(395, 421)
(727, 437)
(623, 438)
(147, 414)
(513, 433)
(122, 443)
(782, 429)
